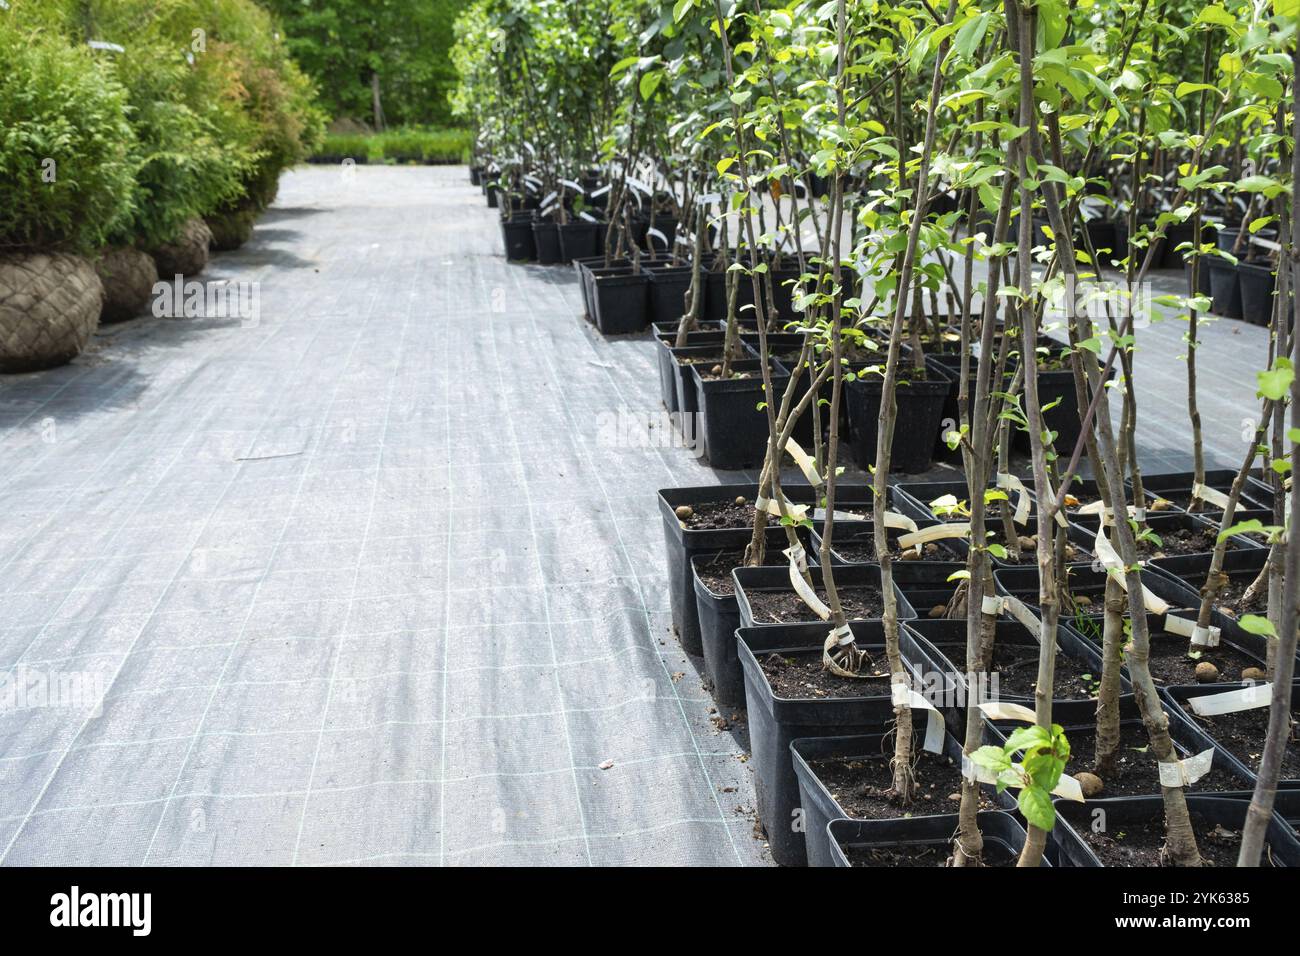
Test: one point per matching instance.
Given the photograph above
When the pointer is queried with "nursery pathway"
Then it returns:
(373, 578)
(377, 575)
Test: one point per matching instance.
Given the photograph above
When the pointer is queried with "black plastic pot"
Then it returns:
(664, 224)
(475, 175)
(682, 543)
(914, 497)
(1179, 484)
(781, 304)
(667, 293)
(850, 533)
(1063, 418)
(546, 235)
(733, 427)
(820, 807)
(493, 195)
(997, 828)
(920, 414)
(688, 400)
(517, 237)
(719, 618)
(1176, 233)
(1241, 565)
(669, 374)
(948, 639)
(949, 367)
(750, 580)
(1286, 804)
(925, 584)
(1119, 811)
(578, 239)
(1083, 531)
(1225, 287)
(620, 302)
(1084, 579)
(1257, 284)
(1080, 723)
(1178, 698)
(775, 721)
(715, 297)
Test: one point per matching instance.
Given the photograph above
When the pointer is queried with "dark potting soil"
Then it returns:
(1242, 735)
(862, 549)
(1139, 843)
(1231, 600)
(721, 515)
(1016, 666)
(800, 675)
(1171, 665)
(941, 610)
(716, 573)
(1181, 541)
(1135, 772)
(785, 607)
(1184, 500)
(862, 787)
(920, 854)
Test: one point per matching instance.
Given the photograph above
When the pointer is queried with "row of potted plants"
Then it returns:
(962, 206)
(138, 137)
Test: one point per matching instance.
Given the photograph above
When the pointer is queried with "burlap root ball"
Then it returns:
(128, 276)
(230, 230)
(187, 254)
(49, 308)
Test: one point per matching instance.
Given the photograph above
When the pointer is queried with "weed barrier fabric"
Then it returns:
(375, 576)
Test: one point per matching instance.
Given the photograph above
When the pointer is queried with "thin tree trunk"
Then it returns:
(1279, 717)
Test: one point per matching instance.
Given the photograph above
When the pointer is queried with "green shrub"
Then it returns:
(185, 168)
(283, 123)
(66, 176)
(405, 145)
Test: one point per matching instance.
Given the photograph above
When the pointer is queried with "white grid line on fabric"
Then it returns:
(117, 672)
(352, 729)
(142, 417)
(546, 606)
(374, 497)
(649, 626)
(230, 654)
(446, 644)
(470, 668)
(611, 581)
(140, 420)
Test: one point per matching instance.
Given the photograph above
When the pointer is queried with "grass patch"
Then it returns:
(405, 146)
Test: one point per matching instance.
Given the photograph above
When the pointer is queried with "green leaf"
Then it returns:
(1185, 88)
(991, 758)
(998, 551)
(962, 575)
(1242, 527)
(1022, 738)
(650, 82)
(725, 163)
(1216, 16)
(1255, 624)
(1036, 807)
(970, 35)
(1275, 383)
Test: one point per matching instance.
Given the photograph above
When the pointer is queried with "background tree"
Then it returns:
(382, 61)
